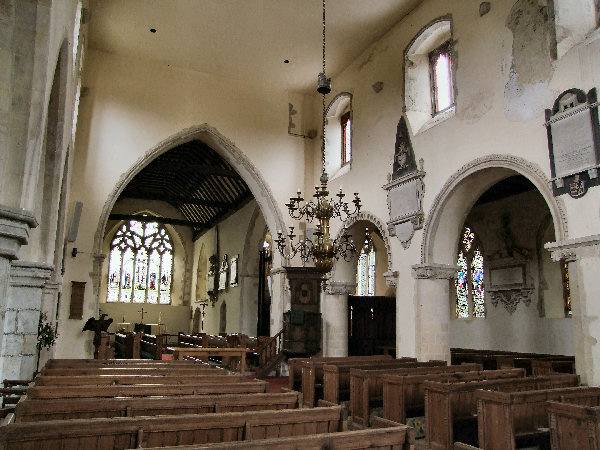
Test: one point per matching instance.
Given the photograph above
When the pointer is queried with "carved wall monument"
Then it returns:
(574, 142)
(405, 191)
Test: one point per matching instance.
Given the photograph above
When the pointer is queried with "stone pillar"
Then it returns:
(14, 232)
(50, 293)
(334, 308)
(432, 292)
(583, 258)
(19, 341)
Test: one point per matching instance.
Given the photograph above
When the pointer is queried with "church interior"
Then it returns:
(155, 156)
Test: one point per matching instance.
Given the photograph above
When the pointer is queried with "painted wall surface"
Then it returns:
(235, 238)
(500, 102)
(528, 329)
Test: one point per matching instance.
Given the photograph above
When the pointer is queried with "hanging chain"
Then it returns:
(323, 127)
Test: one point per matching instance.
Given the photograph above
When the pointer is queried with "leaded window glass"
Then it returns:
(346, 122)
(470, 293)
(442, 83)
(140, 264)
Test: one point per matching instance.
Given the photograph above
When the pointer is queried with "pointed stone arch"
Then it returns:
(225, 148)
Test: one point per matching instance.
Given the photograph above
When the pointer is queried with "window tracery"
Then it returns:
(140, 264)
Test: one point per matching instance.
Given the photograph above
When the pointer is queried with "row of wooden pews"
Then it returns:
(106, 404)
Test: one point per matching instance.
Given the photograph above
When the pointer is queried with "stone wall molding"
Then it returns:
(341, 288)
(434, 271)
(30, 274)
(573, 249)
(14, 230)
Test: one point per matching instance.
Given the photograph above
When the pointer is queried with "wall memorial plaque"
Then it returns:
(574, 142)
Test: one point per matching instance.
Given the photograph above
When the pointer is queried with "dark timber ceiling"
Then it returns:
(516, 184)
(194, 179)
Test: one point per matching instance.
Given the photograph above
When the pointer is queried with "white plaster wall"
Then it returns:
(491, 118)
(233, 234)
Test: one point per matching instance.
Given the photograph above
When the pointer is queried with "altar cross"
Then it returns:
(142, 311)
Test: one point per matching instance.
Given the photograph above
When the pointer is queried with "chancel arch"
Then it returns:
(505, 200)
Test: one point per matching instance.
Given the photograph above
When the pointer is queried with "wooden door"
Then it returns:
(371, 325)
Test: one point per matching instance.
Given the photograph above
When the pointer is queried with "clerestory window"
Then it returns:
(442, 84)
(346, 122)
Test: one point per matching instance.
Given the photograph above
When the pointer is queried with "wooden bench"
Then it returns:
(127, 345)
(91, 380)
(404, 395)
(575, 421)
(366, 386)
(29, 410)
(141, 390)
(384, 435)
(295, 366)
(510, 420)
(312, 374)
(160, 431)
(81, 363)
(151, 346)
(451, 408)
(192, 369)
(336, 378)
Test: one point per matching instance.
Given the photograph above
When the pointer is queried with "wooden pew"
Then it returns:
(404, 395)
(151, 346)
(94, 380)
(510, 420)
(136, 432)
(366, 386)
(295, 366)
(47, 392)
(384, 435)
(127, 345)
(450, 408)
(312, 374)
(81, 363)
(548, 366)
(86, 408)
(192, 369)
(575, 420)
(336, 378)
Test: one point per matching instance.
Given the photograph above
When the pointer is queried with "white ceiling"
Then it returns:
(246, 40)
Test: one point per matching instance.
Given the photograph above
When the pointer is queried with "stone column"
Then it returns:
(280, 298)
(334, 308)
(14, 232)
(27, 280)
(583, 258)
(50, 293)
(432, 290)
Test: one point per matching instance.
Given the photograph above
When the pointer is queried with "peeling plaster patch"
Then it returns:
(474, 108)
(377, 87)
(532, 30)
(526, 101)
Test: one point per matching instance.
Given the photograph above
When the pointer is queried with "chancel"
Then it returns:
(170, 142)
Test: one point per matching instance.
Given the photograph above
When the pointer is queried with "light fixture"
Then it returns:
(321, 249)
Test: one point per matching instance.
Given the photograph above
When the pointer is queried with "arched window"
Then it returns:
(338, 132)
(141, 264)
(429, 64)
(365, 272)
(470, 294)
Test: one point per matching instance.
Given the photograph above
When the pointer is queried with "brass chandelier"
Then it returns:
(321, 249)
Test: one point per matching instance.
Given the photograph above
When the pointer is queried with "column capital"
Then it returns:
(434, 271)
(391, 278)
(340, 287)
(30, 274)
(573, 249)
(14, 230)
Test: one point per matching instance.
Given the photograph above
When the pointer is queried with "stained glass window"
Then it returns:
(470, 293)
(566, 288)
(365, 273)
(140, 264)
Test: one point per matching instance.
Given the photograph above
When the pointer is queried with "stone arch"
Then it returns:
(381, 227)
(456, 198)
(226, 149)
